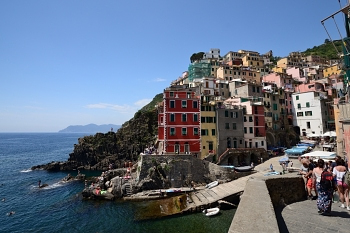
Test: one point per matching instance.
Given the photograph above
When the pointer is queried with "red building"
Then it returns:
(179, 121)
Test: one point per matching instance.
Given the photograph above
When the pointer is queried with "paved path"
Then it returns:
(302, 216)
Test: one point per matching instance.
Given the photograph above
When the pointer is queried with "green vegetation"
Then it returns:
(326, 50)
(196, 57)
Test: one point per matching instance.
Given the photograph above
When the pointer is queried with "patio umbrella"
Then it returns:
(283, 159)
(329, 134)
(313, 135)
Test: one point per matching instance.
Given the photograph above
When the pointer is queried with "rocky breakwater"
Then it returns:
(155, 172)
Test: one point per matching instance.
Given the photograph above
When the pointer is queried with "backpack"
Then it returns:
(346, 178)
(327, 181)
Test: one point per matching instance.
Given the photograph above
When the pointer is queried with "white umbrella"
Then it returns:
(329, 134)
(313, 135)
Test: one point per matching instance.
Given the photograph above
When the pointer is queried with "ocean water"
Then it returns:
(60, 207)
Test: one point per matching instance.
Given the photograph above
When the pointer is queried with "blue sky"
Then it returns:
(72, 62)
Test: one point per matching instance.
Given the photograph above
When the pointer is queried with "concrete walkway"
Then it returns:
(302, 216)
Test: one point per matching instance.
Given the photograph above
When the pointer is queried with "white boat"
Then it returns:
(244, 168)
(211, 211)
(212, 184)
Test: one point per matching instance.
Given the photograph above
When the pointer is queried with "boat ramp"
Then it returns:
(209, 197)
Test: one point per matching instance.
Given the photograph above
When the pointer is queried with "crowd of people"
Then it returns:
(326, 179)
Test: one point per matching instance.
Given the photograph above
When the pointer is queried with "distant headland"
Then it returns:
(90, 128)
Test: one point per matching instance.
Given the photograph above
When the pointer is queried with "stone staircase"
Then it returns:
(128, 189)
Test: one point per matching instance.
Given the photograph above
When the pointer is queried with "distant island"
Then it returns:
(90, 128)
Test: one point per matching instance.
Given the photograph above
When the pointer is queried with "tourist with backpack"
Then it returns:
(324, 186)
(339, 172)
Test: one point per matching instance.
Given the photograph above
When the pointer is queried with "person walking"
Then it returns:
(343, 189)
(325, 194)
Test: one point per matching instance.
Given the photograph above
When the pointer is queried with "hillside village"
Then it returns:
(232, 108)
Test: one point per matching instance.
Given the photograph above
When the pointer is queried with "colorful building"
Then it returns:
(179, 121)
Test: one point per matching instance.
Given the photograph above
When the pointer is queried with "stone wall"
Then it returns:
(178, 171)
(256, 210)
(286, 190)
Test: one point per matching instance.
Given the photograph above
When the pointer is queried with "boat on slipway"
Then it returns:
(211, 211)
(212, 184)
(243, 168)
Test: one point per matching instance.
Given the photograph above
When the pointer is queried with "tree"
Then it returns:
(196, 57)
(326, 41)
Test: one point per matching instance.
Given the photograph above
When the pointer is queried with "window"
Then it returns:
(235, 115)
(245, 119)
(250, 119)
(297, 97)
(307, 104)
(250, 129)
(195, 117)
(195, 104)
(299, 114)
(210, 146)
(308, 113)
(172, 131)
(213, 132)
(195, 131)
(256, 144)
(172, 103)
(226, 113)
(262, 143)
(204, 132)
(171, 94)
(245, 129)
(299, 106)
(184, 117)
(253, 88)
(234, 125)
(184, 131)
(258, 89)
(227, 125)
(172, 117)
(308, 125)
(184, 104)
(274, 106)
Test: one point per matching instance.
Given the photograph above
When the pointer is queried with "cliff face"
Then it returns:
(97, 152)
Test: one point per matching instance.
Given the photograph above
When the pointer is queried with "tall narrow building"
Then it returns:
(179, 121)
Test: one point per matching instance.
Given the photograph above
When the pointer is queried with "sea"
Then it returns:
(59, 207)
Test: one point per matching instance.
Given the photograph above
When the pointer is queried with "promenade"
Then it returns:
(302, 216)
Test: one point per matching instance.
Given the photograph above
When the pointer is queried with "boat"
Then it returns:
(244, 168)
(271, 174)
(212, 184)
(211, 211)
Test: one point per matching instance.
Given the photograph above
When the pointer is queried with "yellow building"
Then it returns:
(253, 60)
(229, 73)
(208, 130)
(334, 69)
(277, 69)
